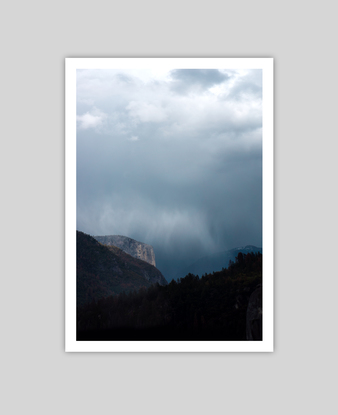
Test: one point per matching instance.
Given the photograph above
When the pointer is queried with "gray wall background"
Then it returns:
(38, 375)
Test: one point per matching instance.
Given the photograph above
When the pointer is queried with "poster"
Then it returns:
(169, 204)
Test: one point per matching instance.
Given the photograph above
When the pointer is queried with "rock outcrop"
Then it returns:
(254, 315)
(134, 248)
(103, 271)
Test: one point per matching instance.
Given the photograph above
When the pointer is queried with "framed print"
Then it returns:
(169, 205)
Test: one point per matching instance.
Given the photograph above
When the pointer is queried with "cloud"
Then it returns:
(173, 160)
(92, 119)
(133, 138)
(185, 80)
(145, 112)
(247, 87)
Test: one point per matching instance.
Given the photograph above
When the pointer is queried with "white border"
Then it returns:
(71, 345)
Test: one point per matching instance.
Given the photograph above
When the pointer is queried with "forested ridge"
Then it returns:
(212, 307)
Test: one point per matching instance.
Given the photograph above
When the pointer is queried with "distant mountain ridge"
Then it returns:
(132, 247)
(215, 262)
(102, 271)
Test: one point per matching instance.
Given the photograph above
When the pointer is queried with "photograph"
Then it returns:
(169, 204)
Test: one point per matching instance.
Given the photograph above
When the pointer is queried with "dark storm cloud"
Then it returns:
(181, 173)
(196, 79)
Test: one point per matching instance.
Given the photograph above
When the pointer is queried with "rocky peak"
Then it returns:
(134, 248)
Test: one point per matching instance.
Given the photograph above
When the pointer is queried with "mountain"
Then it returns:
(215, 262)
(134, 248)
(102, 271)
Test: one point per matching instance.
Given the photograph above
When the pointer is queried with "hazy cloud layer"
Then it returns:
(186, 80)
(171, 158)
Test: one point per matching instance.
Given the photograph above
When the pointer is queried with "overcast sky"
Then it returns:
(171, 158)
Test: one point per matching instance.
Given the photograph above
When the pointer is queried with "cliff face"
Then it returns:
(102, 271)
(134, 248)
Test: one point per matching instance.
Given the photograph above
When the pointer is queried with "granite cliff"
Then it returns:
(103, 271)
(134, 248)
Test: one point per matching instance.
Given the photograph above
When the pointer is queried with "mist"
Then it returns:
(172, 159)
